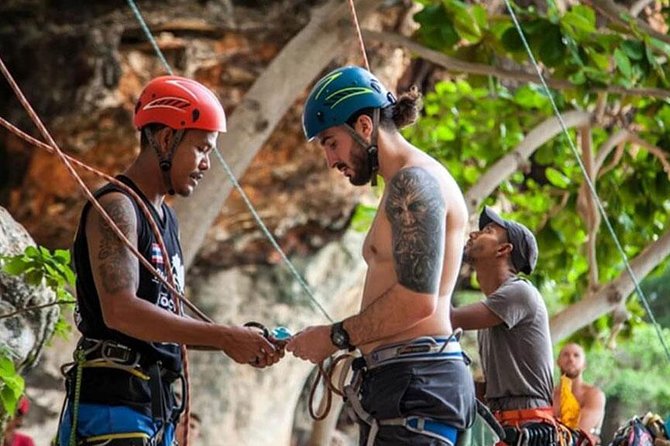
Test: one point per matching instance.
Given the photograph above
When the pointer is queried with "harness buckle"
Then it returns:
(118, 353)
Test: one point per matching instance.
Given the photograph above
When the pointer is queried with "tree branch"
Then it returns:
(620, 16)
(590, 308)
(510, 163)
(587, 208)
(655, 151)
(36, 307)
(638, 6)
(613, 141)
(453, 64)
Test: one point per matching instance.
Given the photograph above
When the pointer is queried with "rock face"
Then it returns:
(25, 334)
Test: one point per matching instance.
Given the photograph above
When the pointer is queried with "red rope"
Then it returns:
(359, 34)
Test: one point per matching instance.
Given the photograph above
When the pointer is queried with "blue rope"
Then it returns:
(233, 180)
(590, 184)
(150, 36)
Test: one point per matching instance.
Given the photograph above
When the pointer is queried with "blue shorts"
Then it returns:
(98, 420)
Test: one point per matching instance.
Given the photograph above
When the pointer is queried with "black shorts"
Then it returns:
(440, 390)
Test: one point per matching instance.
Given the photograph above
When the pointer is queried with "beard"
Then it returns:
(360, 165)
(572, 374)
(466, 256)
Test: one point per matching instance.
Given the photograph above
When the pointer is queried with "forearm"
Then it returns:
(396, 310)
(143, 320)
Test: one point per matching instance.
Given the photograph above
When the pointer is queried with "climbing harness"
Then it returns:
(94, 353)
(538, 427)
(420, 349)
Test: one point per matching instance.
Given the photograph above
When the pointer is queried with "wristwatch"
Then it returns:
(340, 338)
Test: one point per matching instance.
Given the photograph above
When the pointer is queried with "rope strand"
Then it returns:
(359, 34)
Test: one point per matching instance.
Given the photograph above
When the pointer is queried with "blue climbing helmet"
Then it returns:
(339, 95)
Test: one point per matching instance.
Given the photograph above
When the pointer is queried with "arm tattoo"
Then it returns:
(115, 265)
(416, 209)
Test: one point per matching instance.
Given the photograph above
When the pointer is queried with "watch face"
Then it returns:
(339, 338)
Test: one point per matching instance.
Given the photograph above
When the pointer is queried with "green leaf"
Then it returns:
(32, 251)
(11, 384)
(15, 266)
(557, 178)
(623, 63)
(363, 217)
(552, 49)
(465, 24)
(634, 49)
(34, 277)
(579, 22)
(512, 41)
(63, 255)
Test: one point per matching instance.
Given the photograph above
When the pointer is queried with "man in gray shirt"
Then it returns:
(514, 341)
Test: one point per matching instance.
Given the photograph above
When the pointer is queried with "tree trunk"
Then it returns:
(511, 162)
(590, 308)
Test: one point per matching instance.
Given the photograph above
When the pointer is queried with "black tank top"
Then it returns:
(88, 315)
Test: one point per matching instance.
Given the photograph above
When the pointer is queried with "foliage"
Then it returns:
(635, 373)
(11, 383)
(36, 265)
(571, 45)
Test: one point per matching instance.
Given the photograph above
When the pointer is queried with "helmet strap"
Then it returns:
(165, 161)
(371, 147)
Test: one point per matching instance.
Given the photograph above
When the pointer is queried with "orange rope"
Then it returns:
(359, 34)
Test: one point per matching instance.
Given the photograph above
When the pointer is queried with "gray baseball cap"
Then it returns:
(524, 252)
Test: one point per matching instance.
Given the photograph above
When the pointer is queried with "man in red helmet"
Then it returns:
(129, 356)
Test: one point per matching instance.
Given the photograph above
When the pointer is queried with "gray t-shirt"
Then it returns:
(516, 355)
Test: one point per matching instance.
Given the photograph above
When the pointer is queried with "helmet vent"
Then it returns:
(341, 95)
(195, 114)
(175, 103)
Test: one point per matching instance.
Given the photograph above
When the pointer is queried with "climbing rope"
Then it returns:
(359, 34)
(588, 181)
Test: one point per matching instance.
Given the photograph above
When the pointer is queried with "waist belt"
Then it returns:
(420, 349)
(112, 354)
(516, 416)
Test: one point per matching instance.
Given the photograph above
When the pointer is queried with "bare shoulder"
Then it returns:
(593, 393)
(452, 196)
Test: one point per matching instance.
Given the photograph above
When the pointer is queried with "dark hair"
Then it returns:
(403, 113)
(153, 128)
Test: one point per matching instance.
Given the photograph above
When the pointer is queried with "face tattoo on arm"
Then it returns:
(416, 210)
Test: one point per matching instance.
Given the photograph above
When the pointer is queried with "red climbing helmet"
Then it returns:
(179, 103)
